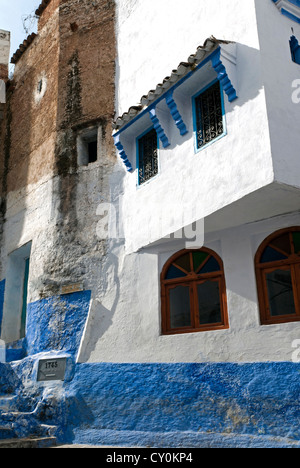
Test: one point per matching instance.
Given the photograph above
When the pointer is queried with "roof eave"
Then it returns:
(184, 68)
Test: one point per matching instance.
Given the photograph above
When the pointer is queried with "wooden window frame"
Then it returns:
(192, 280)
(292, 263)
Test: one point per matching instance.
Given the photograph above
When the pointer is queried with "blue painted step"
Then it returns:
(6, 433)
(8, 403)
(30, 442)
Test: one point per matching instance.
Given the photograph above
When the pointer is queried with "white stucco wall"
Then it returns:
(28, 221)
(124, 323)
(281, 79)
(152, 38)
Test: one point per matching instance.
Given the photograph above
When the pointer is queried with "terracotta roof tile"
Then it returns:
(42, 7)
(25, 44)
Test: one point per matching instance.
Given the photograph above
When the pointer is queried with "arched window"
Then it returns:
(277, 264)
(193, 293)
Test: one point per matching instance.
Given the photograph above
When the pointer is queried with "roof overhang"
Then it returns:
(22, 48)
(177, 77)
(208, 61)
(43, 5)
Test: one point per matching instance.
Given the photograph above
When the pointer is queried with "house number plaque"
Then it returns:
(51, 369)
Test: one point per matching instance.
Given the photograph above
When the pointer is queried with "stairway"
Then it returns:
(20, 424)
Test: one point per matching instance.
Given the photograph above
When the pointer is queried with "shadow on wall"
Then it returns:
(57, 323)
(100, 317)
(18, 136)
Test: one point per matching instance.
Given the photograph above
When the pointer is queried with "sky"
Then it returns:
(11, 14)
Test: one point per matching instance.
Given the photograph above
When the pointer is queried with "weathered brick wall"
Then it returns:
(75, 55)
(63, 82)
(33, 118)
(47, 12)
(86, 62)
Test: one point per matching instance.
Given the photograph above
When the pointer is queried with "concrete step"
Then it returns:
(30, 442)
(23, 424)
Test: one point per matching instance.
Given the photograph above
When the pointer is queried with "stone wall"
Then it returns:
(63, 84)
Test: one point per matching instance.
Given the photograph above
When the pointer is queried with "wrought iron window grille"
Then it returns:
(209, 115)
(148, 156)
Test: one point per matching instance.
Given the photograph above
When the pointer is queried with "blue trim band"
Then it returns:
(163, 96)
(213, 57)
(290, 15)
(227, 86)
(287, 13)
(293, 2)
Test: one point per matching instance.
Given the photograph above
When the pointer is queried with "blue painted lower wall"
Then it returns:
(156, 405)
(176, 405)
(124, 403)
(53, 324)
(57, 323)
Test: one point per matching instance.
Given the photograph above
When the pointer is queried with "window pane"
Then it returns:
(280, 292)
(210, 266)
(174, 273)
(283, 243)
(198, 259)
(180, 312)
(272, 255)
(184, 262)
(209, 303)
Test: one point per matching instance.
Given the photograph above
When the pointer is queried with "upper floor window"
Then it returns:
(209, 115)
(277, 265)
(193, 293)
(87, 146)
(295, 50)
(147, 147)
